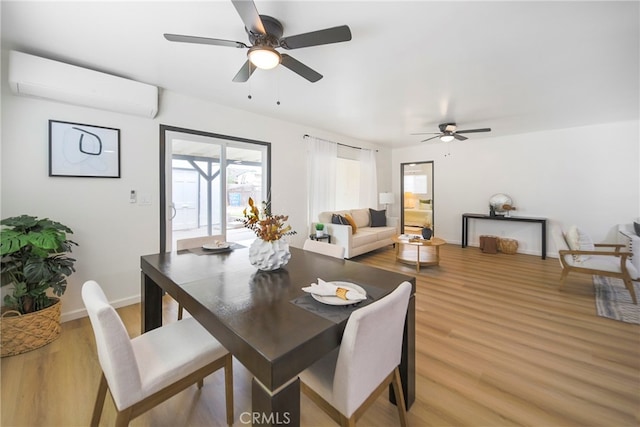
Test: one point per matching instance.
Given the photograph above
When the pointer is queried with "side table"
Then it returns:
(326, 237)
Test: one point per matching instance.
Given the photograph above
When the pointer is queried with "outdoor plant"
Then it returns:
(34, 258)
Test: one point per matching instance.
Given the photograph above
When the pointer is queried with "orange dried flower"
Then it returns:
(267, 226)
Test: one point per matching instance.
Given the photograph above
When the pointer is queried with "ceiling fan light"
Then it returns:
(264, 57)
(446, 138)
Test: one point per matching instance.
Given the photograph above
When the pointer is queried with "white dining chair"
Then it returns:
(348, 380)
(191, 243)
(323, 248)
(143, 372)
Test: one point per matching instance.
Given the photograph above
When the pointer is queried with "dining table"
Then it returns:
(265, 319)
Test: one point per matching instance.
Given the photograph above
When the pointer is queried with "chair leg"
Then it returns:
(201, 383)
(397, 390)
(563, 278)
(180, 309)
(629, 285)
(97, 408)
(228, 387)
(123, 417)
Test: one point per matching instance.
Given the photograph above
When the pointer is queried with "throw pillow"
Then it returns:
(352, 223)
(378, 218)
(339, 219)
(578, 240)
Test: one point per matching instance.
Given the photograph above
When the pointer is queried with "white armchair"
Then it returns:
(578, 254)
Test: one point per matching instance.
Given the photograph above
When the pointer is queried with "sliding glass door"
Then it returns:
(206, 180)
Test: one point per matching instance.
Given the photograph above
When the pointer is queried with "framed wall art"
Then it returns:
(83, 150)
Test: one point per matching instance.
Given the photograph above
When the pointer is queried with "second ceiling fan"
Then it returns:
(265, 35)
(448, 132)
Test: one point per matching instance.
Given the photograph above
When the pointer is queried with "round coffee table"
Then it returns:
(408, 250)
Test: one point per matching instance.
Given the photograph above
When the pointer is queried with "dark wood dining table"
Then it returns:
(265, 320)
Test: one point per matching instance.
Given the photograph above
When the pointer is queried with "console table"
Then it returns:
(541, 221)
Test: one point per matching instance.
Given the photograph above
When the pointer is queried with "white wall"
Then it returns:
(586, 176)
(111, 232)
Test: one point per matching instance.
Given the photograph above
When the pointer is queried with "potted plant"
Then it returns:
(319, 229)
(34, 258)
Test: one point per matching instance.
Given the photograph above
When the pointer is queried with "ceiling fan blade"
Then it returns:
(316, 38)
(249, 15)
(203, 40)
(429, 139)
(300, 69)
(244, 73)
(474, 130)
(459, 137)
(426, 133)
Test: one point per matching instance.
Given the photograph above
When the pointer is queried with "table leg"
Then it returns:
(408, 359)
(150, 304)
(418, 260)
(274, 407)
(437, 255)
(544, 239)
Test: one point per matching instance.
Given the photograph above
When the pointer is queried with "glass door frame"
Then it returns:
(430, 184)
(164, 163)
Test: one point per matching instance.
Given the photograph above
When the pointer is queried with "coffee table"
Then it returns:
(409, 255)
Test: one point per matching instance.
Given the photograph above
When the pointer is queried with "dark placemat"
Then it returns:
(202, 251)
(337, 313)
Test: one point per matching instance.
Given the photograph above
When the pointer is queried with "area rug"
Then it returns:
(614, 301)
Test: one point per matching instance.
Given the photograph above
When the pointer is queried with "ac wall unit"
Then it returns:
(44, 78)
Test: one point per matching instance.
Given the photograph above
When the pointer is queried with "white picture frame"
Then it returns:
(79, 150)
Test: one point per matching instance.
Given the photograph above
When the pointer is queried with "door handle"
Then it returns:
(173, 211)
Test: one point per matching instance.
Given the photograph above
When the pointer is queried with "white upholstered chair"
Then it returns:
(348, 380)
(323, 248)
(578, 254)
(145, 371)
(191, 243)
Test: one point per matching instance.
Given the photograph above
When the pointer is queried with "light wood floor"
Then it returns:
(497, 345)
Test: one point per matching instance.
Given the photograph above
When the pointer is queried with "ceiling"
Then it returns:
(516, 67)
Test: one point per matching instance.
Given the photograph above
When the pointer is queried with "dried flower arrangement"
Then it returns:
(268, 227)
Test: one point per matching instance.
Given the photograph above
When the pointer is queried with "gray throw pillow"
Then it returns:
(339, 219)
(378, 218)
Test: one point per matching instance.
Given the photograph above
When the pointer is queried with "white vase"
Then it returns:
(268, 256)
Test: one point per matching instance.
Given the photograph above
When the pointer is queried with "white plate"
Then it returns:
(337, 300)
(216, 246)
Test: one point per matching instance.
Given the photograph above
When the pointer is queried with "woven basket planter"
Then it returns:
(26, 332)
(508, 246)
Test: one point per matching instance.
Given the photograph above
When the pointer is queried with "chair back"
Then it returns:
(371, 348)
(323, 248)
(557, 235)
(115, 351)
(196, 242)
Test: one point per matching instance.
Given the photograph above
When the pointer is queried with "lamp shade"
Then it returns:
(446, 138)
(264, 57)
(386, 198)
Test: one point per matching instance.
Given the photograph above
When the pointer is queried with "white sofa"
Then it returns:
(365, 239)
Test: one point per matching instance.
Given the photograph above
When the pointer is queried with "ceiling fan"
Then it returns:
(448, 131)
(265, 35)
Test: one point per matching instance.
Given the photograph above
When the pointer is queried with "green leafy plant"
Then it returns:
(319, 226)
(34, 259)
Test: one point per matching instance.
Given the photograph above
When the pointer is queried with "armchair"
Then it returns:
(577, 253)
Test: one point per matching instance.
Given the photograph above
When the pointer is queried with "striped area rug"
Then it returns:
(614, 301)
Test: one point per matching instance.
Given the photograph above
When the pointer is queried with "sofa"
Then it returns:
(365, 238)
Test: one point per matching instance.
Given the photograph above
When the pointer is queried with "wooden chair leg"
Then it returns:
(397, 390)
(180, 309)
(228, 387)
(97, 408)
(201, 383)
(563, 278)
(629, 285)
(123, 417)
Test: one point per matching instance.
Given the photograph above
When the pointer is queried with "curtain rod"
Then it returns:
(306, 135)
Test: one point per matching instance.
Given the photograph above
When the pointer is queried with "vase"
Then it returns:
(269, 256)
(427, 233)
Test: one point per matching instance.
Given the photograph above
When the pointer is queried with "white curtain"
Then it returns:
(368, 179)
(322, 157)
